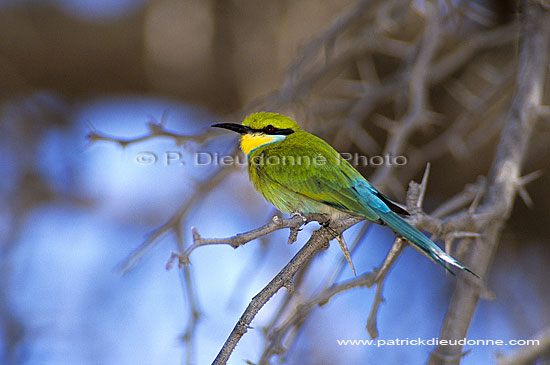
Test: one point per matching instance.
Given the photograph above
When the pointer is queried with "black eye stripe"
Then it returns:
(275, 131)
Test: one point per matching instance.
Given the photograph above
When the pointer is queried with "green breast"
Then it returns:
(303, 173)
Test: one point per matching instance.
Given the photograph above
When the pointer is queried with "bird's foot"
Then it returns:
(294, 230)
(297, 213)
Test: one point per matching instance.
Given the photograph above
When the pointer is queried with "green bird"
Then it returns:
(298, 172)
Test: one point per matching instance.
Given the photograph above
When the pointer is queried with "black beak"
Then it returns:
(239, 128)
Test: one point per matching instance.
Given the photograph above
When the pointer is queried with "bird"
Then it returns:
(299, 173)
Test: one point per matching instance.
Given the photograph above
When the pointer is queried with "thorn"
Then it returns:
(430, 118)
(293, 235)
(423, 186)
(91, 126)
(486, 293)
(123, 144)
(462, 94)
(449, 238)
(155, 127)
(289, 286)
(475, 203)
(522, 181)
(483, 216)
(196, 235)
(464, 234)
(164, 118)
(524, 195)
(345, 251)
(385, 123)
(530, 177)
(92, 136)
(183, 259)
(170, 262)
(489, 73)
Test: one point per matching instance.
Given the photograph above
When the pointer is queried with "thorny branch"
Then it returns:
(156, 129)
(276, 337)
(174, 223)
(502, 185)
(319, 239)
(294, 223)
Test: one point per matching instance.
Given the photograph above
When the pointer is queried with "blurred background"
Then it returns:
(72, 208)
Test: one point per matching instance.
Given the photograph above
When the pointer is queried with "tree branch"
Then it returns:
(504, 174)
(156, 129)
(319, 239)
(294, 223)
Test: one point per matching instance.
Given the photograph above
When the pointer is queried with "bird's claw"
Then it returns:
(298, 214)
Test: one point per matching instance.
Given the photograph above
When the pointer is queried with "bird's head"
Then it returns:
(261, 129)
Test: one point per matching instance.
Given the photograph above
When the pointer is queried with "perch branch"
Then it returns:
(318, 240)
(240, 239)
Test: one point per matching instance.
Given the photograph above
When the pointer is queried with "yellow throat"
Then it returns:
(255, 140)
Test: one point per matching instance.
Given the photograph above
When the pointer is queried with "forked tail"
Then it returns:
(421, 242)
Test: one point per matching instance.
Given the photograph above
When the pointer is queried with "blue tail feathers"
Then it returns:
(422, 242)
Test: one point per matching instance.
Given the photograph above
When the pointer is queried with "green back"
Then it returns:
(304, 173)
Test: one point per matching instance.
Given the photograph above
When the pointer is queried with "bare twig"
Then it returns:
(156, 129)
(276, 338)
(416, 113)
(240, 239)
(173, 224)
(188, 335)
(470, 192)
(328, 36)
(394, 253)
(456, 138)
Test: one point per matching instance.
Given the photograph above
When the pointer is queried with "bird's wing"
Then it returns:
(324, 176)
